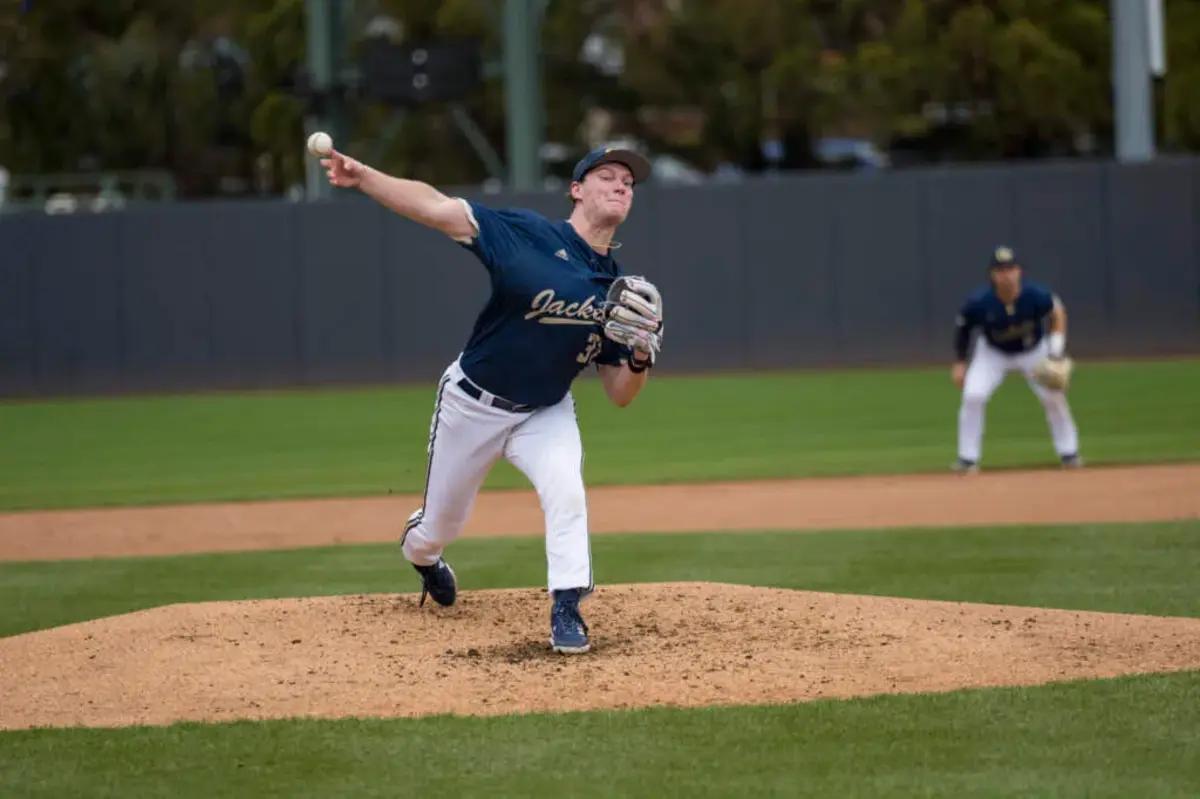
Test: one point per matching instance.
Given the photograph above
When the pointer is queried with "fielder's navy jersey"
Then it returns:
(1013, 328)
(544, 321)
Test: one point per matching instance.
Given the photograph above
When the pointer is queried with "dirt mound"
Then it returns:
(687, 644)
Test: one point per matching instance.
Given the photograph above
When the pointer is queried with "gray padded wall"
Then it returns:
(801, 270)
(78, 276)
(699, 268)
(341, 311)
(1059, 234)
(965, 214)
(880, 297)
(166, 293)
(1153, 225)
(18, 347)
(253, 253)
(791, 275)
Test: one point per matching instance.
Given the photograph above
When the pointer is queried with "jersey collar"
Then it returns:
(604, 264)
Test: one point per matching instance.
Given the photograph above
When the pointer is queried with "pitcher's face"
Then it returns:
(606, 193)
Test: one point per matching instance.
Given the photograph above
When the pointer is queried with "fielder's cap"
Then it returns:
(637, 163)
(1002, 256)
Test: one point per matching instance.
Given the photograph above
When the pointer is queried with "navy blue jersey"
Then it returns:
(1013, 328)
(543, 322)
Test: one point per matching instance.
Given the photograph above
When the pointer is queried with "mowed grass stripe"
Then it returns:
(327, 442)
(1138, 568)
(1116, 738)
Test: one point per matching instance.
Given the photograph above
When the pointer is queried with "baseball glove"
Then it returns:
(634, 315)
(1054, 373)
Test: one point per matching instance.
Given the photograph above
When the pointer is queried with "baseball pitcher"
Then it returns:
(559, 303)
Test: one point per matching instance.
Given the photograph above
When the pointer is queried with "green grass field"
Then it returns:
(1131, 737)
(1135, 736)
(372, 441)
(1127, 737)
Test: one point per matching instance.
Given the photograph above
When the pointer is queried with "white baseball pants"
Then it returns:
(466, 438)
(985, 374)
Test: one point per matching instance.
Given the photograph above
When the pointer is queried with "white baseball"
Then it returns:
(320, 144)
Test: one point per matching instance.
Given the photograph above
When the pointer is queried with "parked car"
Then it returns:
(850, 153)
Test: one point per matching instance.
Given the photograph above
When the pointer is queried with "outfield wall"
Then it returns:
(808, 270)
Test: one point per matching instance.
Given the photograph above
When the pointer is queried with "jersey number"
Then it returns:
(592, 349)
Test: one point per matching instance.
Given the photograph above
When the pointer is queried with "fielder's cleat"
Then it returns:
(438, 582)
(1072, 461)
(964, 466)
(568, 632)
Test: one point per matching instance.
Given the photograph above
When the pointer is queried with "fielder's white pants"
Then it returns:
(466, 438)
(985, 374)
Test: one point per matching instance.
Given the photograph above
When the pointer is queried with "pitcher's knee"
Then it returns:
(413, 519)
(428, 532)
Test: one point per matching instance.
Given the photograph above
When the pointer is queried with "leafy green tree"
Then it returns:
(1181, 90)
(206, 90)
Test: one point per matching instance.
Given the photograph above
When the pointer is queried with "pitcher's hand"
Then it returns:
(343, 171)
(958, 373)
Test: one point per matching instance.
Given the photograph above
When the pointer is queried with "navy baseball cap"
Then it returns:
(1002, 257)
(637, 164)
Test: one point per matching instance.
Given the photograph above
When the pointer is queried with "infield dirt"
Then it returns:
(682, 644)
(1117, 494)
(685, 644)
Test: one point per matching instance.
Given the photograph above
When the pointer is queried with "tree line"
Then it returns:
(209, 90)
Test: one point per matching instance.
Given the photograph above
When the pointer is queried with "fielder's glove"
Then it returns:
(634, 317)
(1054, 373)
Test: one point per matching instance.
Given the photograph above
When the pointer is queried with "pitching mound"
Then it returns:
(686, 644)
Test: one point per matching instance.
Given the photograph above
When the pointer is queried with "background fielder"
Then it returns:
(1012, 316)
(558, 303)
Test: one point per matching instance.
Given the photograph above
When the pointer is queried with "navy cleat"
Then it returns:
(1072, 461)
(568, 632)
(964, 466)
(438, 582)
